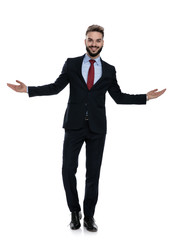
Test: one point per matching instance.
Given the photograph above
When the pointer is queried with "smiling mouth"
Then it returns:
(94, 48)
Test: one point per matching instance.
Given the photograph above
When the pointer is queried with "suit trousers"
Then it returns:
(73, 142)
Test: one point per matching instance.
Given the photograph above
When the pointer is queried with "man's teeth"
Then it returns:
(93, 48)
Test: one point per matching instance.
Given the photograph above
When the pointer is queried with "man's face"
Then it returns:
(94, 44)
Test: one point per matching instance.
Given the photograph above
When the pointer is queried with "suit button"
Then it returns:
(85, 104)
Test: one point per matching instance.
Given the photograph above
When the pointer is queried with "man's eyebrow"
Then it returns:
(99, 39)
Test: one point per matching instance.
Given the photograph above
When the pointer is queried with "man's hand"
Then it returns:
(155, 94)
(18, 88)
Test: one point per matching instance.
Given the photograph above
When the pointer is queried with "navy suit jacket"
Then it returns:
(81, 99)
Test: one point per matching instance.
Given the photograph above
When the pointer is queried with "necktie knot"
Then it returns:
(92, 61)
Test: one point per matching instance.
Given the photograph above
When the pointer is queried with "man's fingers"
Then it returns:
(161, 92)
(19, 82)
(14, 87)
(155, 90)
(10, 85)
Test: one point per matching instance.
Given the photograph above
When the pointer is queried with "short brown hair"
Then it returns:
(95, 28)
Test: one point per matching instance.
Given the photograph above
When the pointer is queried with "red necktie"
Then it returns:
(90, 79)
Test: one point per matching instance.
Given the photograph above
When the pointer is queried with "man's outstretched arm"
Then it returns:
(49, 89)
(123, 98)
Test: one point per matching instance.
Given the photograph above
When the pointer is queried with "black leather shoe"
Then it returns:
(75, 220)
(89, 224)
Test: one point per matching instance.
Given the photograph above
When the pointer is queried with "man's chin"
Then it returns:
(94, 54)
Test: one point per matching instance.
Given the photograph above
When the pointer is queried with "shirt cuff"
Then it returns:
(147, 97)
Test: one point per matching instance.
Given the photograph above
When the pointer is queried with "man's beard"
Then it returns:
(93, 54)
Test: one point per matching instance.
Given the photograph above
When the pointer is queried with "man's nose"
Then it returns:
(95, 44)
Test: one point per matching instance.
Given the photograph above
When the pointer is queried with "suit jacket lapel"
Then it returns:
(79, 69)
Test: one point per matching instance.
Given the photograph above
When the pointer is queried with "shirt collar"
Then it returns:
(87, 58)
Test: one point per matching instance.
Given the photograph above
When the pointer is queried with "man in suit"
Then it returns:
(89, 78)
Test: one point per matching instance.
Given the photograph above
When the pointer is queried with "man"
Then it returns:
(85, 120)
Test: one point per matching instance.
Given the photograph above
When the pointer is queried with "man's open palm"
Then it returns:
(18, 88)
(155, 93)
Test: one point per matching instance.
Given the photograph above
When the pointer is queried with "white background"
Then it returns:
(36, 39)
